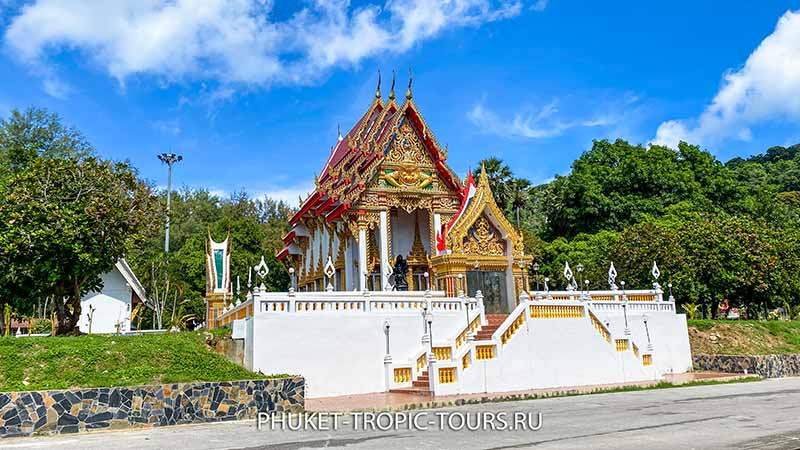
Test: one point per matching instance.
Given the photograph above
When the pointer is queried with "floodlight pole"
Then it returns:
(169, 159)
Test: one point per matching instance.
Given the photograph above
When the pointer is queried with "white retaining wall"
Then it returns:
(342, 352)
(339, 353)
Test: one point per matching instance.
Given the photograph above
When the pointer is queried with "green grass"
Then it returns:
(40, 363)
(744, 337)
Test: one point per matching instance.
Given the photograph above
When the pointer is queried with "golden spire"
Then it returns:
(391, 91)
(483, 179)
(378, 89)
(410, 79)
(417, 254)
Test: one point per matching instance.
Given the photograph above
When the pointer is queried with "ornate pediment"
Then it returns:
(408, 165)
(482, 227)
(483, 239)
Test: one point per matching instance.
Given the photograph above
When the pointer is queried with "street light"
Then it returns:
(536, 271)
(169, 159)
(580, 271)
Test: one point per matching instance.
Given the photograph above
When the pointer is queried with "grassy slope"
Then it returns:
(744, 337)
(95, 361)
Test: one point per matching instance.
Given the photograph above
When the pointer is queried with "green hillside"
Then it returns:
(40, 363)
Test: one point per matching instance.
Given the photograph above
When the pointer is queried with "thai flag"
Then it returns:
(466, 197)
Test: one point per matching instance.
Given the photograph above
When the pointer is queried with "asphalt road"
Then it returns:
(760, 415)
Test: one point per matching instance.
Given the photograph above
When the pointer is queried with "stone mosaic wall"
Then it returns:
(768, 366)
(70, 411)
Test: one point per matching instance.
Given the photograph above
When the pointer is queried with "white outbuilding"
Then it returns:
(109, 310)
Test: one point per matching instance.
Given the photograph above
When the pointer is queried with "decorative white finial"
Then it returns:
(569, 276)
(261, 269)
(330, 270)
(612, 276)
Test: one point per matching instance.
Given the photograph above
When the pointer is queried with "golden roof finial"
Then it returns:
(410, 79)
(378, 89)
(391, 91)
(316, 181)
(483, 178)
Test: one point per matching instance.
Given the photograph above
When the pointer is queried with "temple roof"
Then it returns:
(355, 157)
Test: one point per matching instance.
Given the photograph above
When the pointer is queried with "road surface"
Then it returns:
(760, 415)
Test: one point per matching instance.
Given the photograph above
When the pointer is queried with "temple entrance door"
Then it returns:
(492, 285)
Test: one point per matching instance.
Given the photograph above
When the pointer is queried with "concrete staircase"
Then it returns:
(421, 386)
(493, 323)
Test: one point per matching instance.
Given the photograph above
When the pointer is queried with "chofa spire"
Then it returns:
(378, 89)
(410, 79)
(391, 91)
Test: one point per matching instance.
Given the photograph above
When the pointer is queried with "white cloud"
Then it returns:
(539, 5)
(56, 88)
(765, 88)
(541, 123)
(235, 41)
(172, 127)
(290, 194)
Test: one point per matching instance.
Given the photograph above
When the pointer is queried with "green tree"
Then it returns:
(34, 133)
(614, 185)
(65, 222)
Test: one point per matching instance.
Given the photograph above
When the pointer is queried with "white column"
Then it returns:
(384, 243)
(362, 257)
(349, 278)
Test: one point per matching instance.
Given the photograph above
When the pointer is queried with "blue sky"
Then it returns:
(251, 92)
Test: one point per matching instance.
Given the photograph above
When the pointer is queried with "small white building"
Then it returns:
(110, 309)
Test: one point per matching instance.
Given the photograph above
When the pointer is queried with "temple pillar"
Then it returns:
(384, 250)
(362, 257)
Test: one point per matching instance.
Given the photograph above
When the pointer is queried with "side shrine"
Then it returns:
(389, 214)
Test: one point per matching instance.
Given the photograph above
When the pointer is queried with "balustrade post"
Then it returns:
(387, 359)
(425, 336)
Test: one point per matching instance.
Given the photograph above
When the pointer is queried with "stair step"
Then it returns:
(412, 391)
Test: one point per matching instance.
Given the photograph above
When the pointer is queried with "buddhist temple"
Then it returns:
(386, 191)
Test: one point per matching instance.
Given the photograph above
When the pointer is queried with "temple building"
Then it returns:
(386, 191)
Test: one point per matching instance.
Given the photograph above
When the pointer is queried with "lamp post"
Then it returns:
(430, 331)
(291, 276)
(427, 281)
(425, 336)
(386, 327)
(461, 285)
(586, 282)
(169, 159)
(625, 308)
(671, 298)
(580, 272)
(536, 271)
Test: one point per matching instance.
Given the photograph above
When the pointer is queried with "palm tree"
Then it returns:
(518, 195)
(500, 177)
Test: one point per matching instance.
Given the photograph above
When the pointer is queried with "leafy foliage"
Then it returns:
(64, 222)
(718, 231)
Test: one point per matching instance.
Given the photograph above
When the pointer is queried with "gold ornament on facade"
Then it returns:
(408, 176)
(482, 240)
